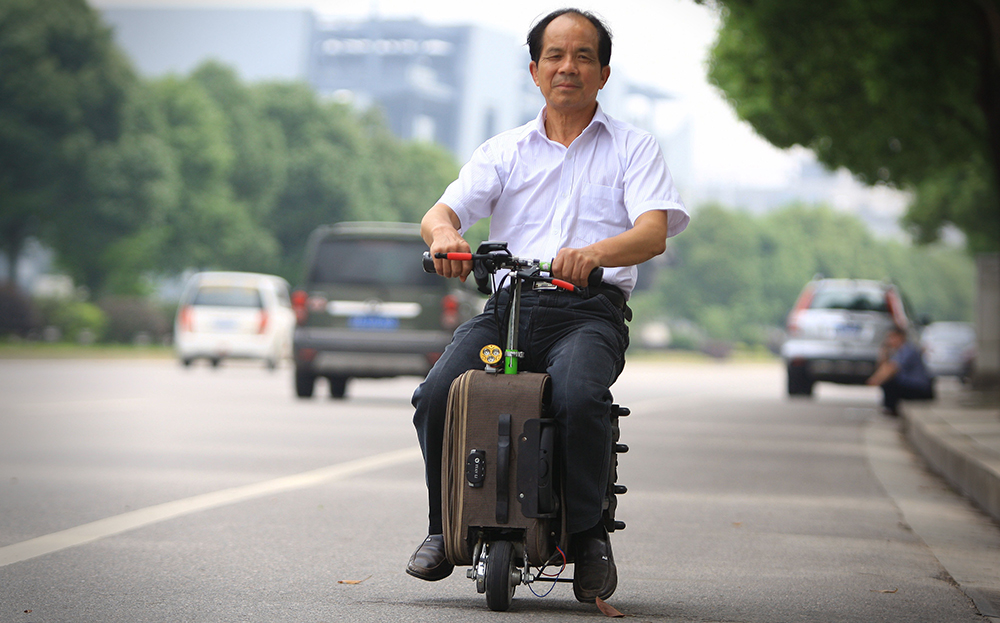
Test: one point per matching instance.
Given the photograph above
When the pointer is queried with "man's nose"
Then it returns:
(568, 66)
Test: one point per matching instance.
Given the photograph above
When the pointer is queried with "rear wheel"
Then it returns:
(799, 381)
(500, 570)
(305, 381)
(338, 386)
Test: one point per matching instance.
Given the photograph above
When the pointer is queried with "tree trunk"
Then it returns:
(987, 372)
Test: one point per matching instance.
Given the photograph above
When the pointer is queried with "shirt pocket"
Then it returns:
(603, 204)
(602, 213)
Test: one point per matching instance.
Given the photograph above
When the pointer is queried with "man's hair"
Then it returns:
(603, 35)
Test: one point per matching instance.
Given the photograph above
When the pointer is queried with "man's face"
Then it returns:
(568, 72)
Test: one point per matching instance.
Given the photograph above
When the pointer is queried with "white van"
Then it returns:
(234, 315)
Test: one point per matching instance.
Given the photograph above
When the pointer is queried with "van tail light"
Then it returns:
(299, 298)
(802, 303)
(184, 318)
(449, 312)
(263, 322)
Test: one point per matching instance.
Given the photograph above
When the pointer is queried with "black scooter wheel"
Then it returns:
(499, 575)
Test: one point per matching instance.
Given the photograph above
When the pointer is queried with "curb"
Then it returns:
(972, 468)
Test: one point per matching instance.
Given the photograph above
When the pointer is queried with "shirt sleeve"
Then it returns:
(474, 194)
(649, 186)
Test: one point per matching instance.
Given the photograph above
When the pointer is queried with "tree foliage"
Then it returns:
(903, 93)
(738, 275)
(126, 178)
(63, 86)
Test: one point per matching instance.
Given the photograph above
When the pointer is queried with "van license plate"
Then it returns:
(373, 323)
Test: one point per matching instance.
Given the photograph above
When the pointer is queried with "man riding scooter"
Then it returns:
(587, 190)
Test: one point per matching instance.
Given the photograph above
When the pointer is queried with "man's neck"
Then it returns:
(564, 127)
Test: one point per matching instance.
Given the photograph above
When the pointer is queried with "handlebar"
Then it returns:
(492, 261)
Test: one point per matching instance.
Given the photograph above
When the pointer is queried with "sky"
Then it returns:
(661, 43)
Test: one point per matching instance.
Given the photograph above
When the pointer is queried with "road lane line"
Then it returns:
(117, 524)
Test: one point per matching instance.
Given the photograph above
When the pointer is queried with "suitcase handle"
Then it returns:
(503, 467)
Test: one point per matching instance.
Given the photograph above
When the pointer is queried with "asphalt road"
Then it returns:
(140, 491)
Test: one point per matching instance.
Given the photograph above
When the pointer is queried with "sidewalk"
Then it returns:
(959, 435)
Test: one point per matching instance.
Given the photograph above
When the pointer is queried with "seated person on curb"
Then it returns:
(587, 190)
(901, 372)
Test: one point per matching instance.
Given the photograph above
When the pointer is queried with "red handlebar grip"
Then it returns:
(565, 285)
(458, 257)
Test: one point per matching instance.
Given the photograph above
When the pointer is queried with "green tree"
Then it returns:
(905, 93)
(116, 235)
(63, 85)
(414, 174)
(259, 169)
(329, 175)
(737, 275)
(208, 227)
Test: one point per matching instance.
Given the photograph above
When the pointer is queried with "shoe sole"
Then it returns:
(429, 578)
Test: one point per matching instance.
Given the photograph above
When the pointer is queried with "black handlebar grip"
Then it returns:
(428, 263)
(595, 277)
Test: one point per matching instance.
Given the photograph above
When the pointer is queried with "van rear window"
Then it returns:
(854, 299)
(372, 262)
(227, 296)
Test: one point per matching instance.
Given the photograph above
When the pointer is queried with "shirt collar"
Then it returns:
(538, 127)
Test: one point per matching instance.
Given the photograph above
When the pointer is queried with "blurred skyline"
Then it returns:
(661, 43)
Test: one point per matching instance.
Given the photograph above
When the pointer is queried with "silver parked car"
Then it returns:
(835, 331)
(949, 348)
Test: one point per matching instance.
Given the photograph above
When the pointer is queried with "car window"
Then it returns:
(364, 262)
(227, 296)
(854, 299)
(949, 332)
(283, 298)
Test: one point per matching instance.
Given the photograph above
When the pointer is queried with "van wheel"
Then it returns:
(338, 386)
(304, 383)
(799, 381)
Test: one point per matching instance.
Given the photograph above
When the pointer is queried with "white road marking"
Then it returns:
(111, 526)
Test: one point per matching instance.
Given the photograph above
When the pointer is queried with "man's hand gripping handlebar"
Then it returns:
(493, 256)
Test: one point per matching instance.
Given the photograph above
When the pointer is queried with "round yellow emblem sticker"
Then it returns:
(491, 354)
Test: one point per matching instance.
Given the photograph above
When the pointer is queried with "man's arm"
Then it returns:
(439, 229)
(646, 240)
(886, 370)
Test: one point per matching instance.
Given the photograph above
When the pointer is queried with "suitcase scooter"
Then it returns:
(501, 481)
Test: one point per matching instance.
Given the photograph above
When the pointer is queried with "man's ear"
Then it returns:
(533, 69)
(605, 74)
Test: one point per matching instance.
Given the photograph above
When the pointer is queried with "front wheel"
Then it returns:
(500, 574)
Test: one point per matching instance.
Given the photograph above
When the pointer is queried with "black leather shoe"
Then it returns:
(594, 573)
(429, 562)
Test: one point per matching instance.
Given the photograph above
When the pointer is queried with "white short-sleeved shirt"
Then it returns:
(544, 196)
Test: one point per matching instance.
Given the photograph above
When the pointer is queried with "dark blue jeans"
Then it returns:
(581, 344)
